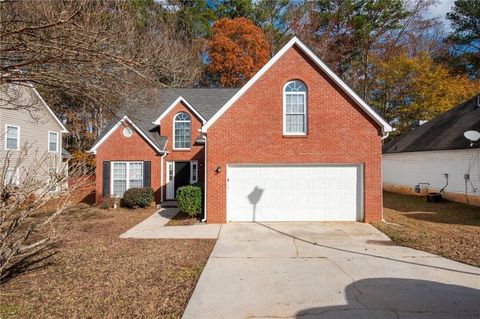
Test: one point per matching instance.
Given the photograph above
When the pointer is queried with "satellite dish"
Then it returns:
(472, 136)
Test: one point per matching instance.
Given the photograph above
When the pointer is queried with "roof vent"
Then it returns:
(419, 123)
(478, 101)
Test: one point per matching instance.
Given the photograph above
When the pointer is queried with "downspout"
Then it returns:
(384, 136)
(165, 153)
(205, 164)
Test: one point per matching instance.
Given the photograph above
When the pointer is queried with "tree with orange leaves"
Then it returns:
(236, 50)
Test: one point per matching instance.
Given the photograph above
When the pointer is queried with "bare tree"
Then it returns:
(31, 196)
(87, 57)
(94, 53)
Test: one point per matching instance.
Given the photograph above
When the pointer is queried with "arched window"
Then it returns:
(182, 131)
(295, 108)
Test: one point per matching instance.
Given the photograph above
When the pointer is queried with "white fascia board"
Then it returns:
(64, 129)
(385, 126)
(177, 101)
(120, 122)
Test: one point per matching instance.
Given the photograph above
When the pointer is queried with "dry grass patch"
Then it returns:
(95, 274)
(448, 229)
(183, 219)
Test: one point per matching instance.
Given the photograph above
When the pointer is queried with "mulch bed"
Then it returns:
(183, 219)
(448, 229)
(95, 274)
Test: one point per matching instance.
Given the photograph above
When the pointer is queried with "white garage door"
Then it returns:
(293, 193)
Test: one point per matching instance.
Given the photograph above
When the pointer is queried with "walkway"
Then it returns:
(154, 227)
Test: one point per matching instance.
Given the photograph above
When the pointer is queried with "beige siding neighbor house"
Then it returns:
(31, 138)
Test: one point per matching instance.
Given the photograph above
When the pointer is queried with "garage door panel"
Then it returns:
(296, 193)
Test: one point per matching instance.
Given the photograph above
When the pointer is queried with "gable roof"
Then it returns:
(182, 100)
(64, 129)
(445, 132)
(206, 101)
(155, 140)
(295, 41)
(142, 112)
(28, 85)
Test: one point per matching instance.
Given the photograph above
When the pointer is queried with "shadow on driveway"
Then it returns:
(401, 298)
(361, 253)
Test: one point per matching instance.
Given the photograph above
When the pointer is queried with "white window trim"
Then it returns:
(15, 176)
(57, 141)
(53, 170)
(128, 174)
(304, 133)
(173, 133)
(170, 188)
(18, 137)
(192, 169)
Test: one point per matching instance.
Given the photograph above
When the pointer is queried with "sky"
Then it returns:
(441, 9)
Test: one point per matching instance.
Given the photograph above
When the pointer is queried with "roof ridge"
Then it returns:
(456, 118)
(198, 88)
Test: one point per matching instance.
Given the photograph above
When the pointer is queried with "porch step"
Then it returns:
(169, 204)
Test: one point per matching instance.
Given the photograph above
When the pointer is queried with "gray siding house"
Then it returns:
(31, 139)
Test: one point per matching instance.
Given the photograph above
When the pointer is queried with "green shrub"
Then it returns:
(137, 197)
(189, 199)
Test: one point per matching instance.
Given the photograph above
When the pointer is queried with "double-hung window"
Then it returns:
(53, 142)
(126, 175)
(295, 108)
(11, 176)
(12, 137)
(182, 131)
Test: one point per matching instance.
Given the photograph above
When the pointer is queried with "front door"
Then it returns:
(181, 175)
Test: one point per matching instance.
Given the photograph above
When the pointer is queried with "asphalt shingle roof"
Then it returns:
(153, 102)
(444, 132)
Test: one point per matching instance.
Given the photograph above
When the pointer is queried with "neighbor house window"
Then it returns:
(295, 108)
(126, 175)
(53, 142)
(10, 177)
(12, 137)
(182, 131)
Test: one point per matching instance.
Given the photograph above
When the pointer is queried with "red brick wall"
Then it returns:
(251, 131)
(195, 153)
(120, 148)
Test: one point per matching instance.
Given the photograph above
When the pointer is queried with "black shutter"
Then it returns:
(106, 178)
(147, 174)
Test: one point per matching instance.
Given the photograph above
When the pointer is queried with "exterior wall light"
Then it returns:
(218, 169)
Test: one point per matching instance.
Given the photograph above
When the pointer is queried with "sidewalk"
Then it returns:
(154, 227)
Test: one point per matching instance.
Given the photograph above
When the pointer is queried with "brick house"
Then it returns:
(295, 143)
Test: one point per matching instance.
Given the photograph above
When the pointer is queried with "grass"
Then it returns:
(95, 274)
(448, 229)
(183, 219)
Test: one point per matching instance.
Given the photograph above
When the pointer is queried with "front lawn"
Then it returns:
(95, 274)
(448, 229)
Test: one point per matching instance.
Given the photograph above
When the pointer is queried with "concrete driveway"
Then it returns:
(328, 270)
